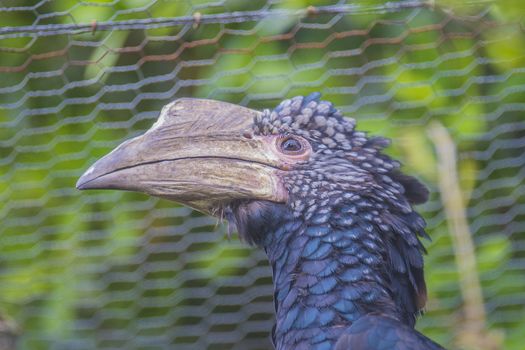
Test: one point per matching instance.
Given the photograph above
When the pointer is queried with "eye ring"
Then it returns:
(291, 145)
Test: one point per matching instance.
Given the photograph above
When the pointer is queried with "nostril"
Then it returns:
(247, 134)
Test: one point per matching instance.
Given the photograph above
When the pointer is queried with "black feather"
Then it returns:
(345, 251)
(375, 332)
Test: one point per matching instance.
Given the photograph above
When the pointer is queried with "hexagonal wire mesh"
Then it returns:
(113, 270)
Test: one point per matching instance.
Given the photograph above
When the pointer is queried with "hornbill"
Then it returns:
(332, 212)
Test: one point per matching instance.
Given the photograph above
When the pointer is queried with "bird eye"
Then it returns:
(291, 145)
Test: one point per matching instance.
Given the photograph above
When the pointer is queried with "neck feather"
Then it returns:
(330, 270)
(324, 279)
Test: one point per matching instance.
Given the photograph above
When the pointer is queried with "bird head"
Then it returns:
(302, 162)
(214, 156)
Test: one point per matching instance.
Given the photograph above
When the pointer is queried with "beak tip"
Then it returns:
(82, 183)
(85, 179)
(97, 178)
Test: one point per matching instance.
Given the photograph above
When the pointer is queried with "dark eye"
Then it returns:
(291, 145)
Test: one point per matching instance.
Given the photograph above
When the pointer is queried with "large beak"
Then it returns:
(199, 153)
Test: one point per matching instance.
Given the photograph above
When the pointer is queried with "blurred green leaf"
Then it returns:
(105, 56)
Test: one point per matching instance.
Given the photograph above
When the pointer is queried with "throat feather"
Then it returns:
(328, 273)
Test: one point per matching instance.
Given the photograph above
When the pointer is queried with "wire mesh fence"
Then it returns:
(112, 270)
